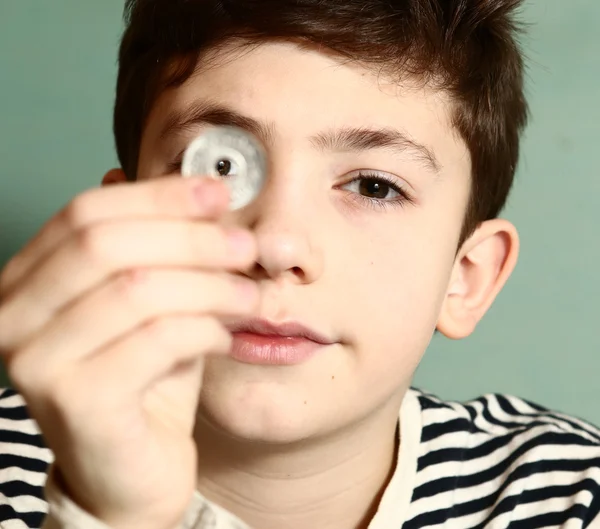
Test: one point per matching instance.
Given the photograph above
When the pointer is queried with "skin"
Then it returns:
(278, 446)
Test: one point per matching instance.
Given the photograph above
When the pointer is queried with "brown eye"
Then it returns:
(223, 167)
(374, 188)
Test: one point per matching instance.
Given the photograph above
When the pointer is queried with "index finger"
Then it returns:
(168, 197)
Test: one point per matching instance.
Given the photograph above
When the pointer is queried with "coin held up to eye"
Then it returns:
(230, 154)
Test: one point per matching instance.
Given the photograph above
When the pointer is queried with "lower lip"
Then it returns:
(272, 350)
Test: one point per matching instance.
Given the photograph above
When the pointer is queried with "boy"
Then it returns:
(194, 367)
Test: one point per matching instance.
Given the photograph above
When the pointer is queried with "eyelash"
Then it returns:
(175, 165)
(377, 204)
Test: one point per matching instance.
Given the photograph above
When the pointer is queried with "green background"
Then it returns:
(540, 339)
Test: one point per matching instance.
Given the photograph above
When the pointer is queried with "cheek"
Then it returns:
(398, 289)
(402, 261)
(398, 283)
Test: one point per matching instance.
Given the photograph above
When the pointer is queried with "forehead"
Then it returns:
(302, 92)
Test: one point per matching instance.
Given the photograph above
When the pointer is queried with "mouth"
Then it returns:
(261, 342)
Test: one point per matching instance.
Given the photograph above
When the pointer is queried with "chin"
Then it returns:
(276, 407)
(262, 415)
(243, 428)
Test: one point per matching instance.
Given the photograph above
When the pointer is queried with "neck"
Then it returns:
(333, 483)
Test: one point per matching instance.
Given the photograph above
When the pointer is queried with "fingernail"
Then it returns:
(205, 193)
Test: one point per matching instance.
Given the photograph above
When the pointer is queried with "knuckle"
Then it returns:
(24, 373)
(128, 284)
(77, 212)
(94, 243)
(162, 330)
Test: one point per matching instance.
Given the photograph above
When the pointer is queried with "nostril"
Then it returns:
(297, 271)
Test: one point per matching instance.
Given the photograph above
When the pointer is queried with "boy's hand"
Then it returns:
(105, 320)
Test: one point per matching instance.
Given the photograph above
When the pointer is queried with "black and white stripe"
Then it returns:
(497, 462)
(503, 462)
(24, 460)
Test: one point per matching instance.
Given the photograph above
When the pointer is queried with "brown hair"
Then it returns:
(467, 48)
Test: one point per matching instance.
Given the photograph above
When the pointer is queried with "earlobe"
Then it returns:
(482, 268)
(114, 176)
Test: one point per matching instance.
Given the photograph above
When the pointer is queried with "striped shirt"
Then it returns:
(494, 462)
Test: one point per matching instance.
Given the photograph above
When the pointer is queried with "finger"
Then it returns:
(127, 302)
(89, 258)
(172, 197)
(106, 383)
(142, 358)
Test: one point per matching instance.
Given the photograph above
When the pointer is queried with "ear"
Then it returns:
(481, 270)
(114, 176)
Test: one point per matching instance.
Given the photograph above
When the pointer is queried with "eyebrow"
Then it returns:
(353, 139)
(203, 112)
(345, 139)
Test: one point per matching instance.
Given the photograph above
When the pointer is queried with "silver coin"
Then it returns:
(232, 155)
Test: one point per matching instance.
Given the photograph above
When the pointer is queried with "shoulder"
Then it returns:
(24, 461)
(537, 465)
(503, 415)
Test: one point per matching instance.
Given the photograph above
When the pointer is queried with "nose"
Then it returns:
(286, 228)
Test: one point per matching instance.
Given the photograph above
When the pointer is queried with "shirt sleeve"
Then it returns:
(63, 513)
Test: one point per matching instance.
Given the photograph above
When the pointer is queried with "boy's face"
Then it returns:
(341, 256)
